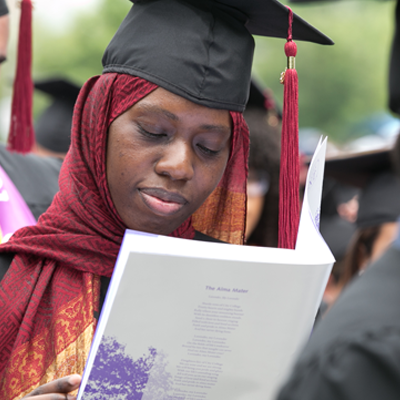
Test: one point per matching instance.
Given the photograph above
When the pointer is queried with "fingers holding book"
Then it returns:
(58, 389)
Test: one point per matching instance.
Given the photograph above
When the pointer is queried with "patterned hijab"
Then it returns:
(51, 291)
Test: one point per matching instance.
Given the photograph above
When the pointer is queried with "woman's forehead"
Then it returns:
(164, 104)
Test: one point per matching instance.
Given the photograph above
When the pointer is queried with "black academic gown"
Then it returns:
(354, 352)
(35, 177)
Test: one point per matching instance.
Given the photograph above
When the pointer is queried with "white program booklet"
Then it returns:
(190, 320)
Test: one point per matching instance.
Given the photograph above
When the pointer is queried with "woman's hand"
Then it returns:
(57, 390)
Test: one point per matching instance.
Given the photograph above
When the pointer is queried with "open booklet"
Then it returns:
(189, 320)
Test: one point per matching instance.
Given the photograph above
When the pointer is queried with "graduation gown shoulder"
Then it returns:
(354, 352)
(35, 177)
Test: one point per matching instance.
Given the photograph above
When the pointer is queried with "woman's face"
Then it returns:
(165, 155)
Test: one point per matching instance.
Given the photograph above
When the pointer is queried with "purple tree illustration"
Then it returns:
(160, 384)
(115, 375)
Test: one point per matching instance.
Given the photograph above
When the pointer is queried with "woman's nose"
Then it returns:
(176, 161)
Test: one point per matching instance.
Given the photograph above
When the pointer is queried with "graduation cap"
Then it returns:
(53, 127)
(358, 168)
(373, 172)
(202, 50)
(262, 99)
(256, 96)
(379, 201)
(210, 63)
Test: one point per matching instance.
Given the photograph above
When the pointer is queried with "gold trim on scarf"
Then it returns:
(69, 338)
(72, 360)
(222, 216)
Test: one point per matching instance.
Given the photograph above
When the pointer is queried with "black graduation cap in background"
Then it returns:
(201, 50)
(358, 168)
(262, 99)
(256, 96)
(379, 201)
(373, 172)
(53, 127)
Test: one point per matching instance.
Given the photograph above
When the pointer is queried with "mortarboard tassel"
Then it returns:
(22, 136)
(289, 202)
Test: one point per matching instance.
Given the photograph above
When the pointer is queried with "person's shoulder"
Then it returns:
(371, 300)
(46, 163)
(11, 161)
(205, 238)
(367, 307)
(354, 352)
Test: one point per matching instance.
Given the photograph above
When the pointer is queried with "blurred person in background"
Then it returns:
(348, 210)
(263, 119)
(377, 223)
(35, 175)
(29, 182)
(378, 206)
(337, 232)
(354, 352)
(367, 180)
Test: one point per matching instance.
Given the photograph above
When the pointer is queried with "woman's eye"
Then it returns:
(149, 134)
(208, 151)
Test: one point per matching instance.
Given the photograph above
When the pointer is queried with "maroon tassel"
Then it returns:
(22, 136)
(289, 202)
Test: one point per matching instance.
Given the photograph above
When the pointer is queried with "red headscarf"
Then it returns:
(51, 291)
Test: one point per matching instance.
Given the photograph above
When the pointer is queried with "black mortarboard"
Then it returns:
(379, 201)
(53, 127)
(256, 96)
(200, 50)
(357, 169)
(262, 99)
(373, 172)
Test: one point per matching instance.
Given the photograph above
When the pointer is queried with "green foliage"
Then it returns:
(338, 84)
(77, 52)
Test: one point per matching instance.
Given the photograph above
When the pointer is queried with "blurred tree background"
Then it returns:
(339, 85)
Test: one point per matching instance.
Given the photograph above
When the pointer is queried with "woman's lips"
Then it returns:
(161, 201)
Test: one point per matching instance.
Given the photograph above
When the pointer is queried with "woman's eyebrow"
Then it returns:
(216, 128)
(158, 110)
(161, 111)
